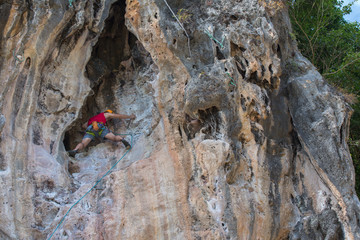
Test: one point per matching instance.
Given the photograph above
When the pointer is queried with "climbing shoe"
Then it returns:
(72, 153)
(126, 144)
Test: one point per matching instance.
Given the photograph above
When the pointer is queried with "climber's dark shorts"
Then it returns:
(101, 133)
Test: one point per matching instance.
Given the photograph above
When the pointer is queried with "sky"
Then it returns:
(355, 14)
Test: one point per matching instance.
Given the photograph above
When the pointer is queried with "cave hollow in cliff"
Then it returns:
(112, 53)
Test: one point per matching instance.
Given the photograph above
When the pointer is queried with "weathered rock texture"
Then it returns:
(235, 138)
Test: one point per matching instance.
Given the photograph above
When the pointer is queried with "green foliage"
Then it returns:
(293, 36)
(347, 74)
(323, 34)
(183, 15)
(333, 45)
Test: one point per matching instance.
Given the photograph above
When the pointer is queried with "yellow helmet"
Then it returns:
(108, 111)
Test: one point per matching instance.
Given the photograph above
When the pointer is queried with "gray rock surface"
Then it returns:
(237, 136)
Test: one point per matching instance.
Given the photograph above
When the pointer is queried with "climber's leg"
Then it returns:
(117, 138)
(80, 146)
(89, 136)
(83, 144)
(113, 137)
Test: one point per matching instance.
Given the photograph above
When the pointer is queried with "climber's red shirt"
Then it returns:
(100, 118)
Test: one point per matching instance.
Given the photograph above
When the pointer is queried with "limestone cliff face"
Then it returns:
(237, 135)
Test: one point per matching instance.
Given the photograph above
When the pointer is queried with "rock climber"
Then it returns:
(97, 127)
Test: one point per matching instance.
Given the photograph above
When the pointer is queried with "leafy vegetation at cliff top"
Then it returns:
(333, 45)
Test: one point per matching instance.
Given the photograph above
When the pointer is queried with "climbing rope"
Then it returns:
(187, 35)
(231, 82)
(107, 173)
(213, 38)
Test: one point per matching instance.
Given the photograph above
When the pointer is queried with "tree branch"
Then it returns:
(346, 65)
(307, 37)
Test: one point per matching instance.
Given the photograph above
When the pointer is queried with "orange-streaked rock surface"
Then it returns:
(237, 136)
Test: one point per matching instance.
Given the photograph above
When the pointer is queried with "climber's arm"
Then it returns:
(109, 116)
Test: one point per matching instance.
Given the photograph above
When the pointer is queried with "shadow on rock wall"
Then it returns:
(116, 62)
